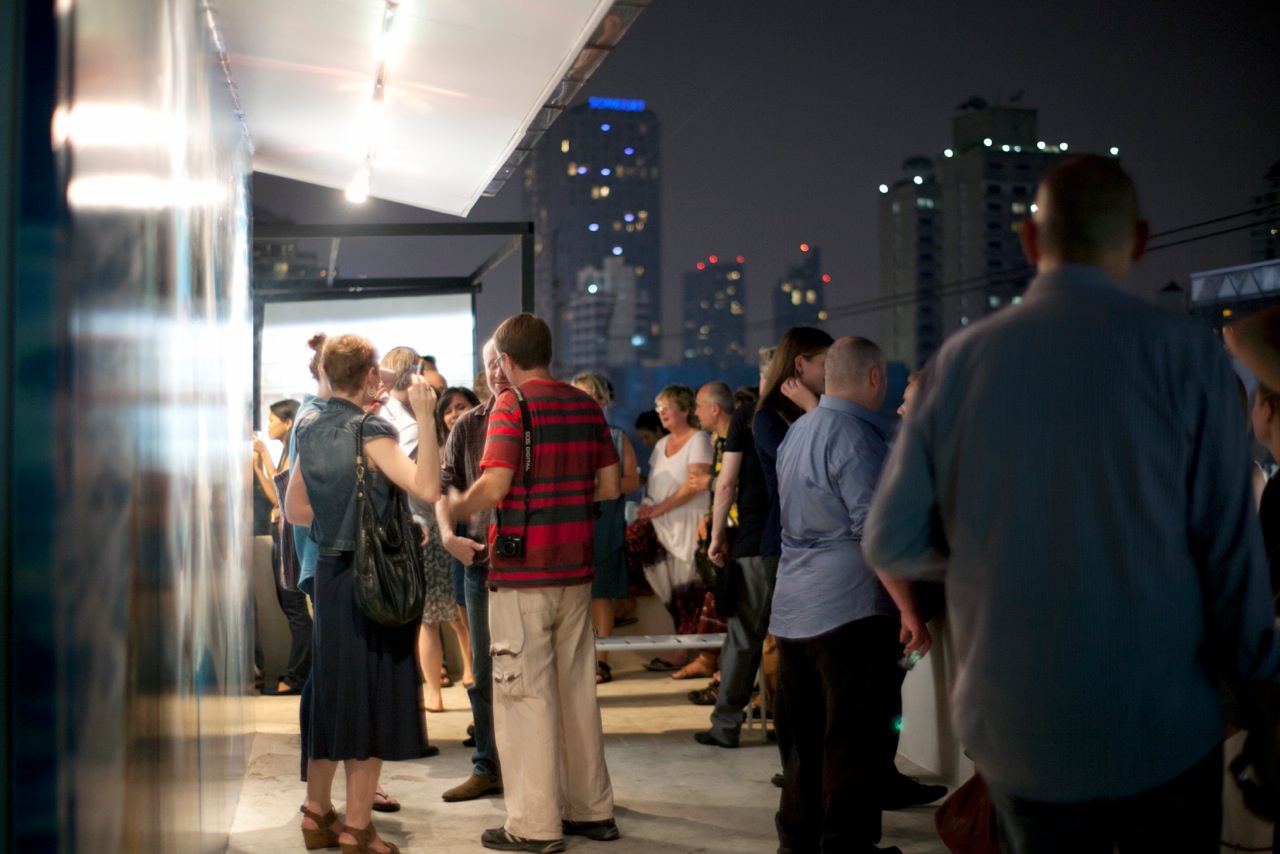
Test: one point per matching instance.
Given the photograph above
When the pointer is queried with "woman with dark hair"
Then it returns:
(452, 594)
(795, 378)
(365, 678)
(293, 603)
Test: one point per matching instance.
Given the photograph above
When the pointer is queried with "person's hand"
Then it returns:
(259, 447)
(704, 527)
(699, 480)
(464, 549)
(718, 551)
(915, 634)
(422, 399)
(645, 512)
(799, 394)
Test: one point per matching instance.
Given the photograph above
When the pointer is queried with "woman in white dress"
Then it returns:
(674, 504)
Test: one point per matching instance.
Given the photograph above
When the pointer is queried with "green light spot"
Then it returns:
(897, 723)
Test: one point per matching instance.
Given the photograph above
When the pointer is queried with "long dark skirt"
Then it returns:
(367, 688)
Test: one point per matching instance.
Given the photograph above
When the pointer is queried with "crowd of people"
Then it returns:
(1074, 469)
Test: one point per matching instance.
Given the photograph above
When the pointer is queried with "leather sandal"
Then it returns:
(603, 673)
(365, 837)
(323, 835)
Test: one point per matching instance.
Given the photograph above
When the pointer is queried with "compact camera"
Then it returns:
(509, 545)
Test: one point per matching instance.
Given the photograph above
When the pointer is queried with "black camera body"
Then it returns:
(509, 545)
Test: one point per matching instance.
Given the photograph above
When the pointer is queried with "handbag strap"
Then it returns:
(360, 456)
(526, 423)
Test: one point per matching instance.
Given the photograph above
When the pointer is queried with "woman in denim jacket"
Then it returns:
(366, 688)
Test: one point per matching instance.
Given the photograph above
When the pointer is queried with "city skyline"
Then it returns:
(780, 123)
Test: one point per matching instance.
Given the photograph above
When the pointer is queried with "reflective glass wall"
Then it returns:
(126, 458)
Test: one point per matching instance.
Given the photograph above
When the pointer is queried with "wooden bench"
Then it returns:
(649, 643)
(653, 643)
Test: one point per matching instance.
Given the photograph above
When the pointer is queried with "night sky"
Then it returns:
(780, 120)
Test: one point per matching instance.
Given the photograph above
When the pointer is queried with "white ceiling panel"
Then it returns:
(465, 79)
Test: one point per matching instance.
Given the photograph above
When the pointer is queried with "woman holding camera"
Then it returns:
(365, 707)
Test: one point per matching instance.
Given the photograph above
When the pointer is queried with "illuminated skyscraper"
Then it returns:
(800, 296)
(592, 191)
(714, 306)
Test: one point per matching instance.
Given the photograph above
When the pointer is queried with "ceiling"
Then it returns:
(469, 87)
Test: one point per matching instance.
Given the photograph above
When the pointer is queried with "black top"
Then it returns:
(769, 429)
(1269, 515)
(753, 496)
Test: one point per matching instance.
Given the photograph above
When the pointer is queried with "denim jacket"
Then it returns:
(327, 448)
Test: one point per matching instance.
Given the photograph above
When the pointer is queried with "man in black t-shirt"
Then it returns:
(740, 480)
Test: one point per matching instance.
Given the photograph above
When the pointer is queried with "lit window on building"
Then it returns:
(564, 146)
(731, 290)
(640, 272)
(617, 250)
(796, 297)
(595, 192)
(964, 321)
(628, 151)
(786, 287)
(573, 169)
(582, 170)
(1019, 208)
(704, 304)
(605, 127)
(733, 276)
(604, 191)
(822, 315)
(993, 301)
(1016, 300)
(810, 297)
(629, 217)
(595, 226)
(735, 307)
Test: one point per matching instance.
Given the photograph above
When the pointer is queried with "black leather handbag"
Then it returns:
(390, 583)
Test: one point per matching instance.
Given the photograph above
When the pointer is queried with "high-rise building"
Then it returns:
(911, 264)
(974, 197)
(800, 296)
(714, 304)
(1264, 241)
(600, 318)
(592, 191)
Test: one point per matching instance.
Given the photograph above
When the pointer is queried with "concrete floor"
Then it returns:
(672, 794)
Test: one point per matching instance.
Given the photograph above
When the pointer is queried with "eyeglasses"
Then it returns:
(496, 361)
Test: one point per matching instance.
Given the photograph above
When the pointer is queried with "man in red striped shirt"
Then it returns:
(541, 567)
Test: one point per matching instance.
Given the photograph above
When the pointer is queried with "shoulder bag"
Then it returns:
(390, 583)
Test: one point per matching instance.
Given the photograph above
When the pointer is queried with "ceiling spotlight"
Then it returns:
(358, 189)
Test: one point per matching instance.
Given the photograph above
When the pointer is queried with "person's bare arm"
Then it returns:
(608, 480)
(679, 498)
(297, 506)
(630, 468)
(914, 633)
(726, 493)
(464, 549)
(491, 487)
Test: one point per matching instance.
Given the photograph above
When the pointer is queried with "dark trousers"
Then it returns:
(744, 642)
(484, 761)
(1183, 815)
(843, 697)
(294, 605)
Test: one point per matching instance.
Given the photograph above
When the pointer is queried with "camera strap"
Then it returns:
(526, 423)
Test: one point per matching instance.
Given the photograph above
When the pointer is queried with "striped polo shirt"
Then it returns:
(570, 442)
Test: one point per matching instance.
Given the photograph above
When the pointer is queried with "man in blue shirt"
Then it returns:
(840, 629)
(1077, 466)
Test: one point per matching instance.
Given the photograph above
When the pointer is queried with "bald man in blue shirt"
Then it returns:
(1077, 469)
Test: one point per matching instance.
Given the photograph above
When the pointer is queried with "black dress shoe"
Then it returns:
(909, 792)
(709, 737)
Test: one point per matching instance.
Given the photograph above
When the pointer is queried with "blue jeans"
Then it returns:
(485, 760)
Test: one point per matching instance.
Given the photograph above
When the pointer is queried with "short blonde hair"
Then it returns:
(683, 398)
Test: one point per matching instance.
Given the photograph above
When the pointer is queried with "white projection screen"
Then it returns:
(440, 325)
